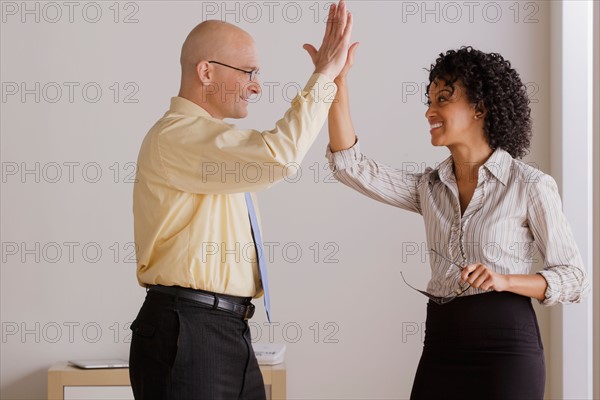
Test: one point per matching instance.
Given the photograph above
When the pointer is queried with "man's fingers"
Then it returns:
(312, 52)
(310, 48)
(331, 57)
(337, 20)
(329, 25)
(342, 17)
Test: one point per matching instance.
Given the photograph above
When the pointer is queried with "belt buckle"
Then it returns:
(249, 312)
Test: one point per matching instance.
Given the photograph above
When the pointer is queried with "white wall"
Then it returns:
(353, 330)
(572, 154)
(596, 180)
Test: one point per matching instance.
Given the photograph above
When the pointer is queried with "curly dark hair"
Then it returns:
(490, 82)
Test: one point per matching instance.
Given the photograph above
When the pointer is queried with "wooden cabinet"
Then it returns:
(70, 383)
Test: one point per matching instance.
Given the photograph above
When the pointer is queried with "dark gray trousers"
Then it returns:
(183, 350)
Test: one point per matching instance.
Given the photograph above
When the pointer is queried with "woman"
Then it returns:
(484, 213)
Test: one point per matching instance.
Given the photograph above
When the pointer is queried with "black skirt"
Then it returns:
(484, 346)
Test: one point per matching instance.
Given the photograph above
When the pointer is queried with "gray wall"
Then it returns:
(353, 330)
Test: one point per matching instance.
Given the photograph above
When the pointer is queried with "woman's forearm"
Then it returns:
(528, 285)
(341, 131)
(480, 276)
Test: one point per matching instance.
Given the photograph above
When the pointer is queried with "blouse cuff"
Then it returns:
(344, 159)
(553, 290)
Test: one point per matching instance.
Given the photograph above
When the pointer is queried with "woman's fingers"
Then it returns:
(464, 275)
(480, 276)
(348, 28)
(351, 53)
(349, 61)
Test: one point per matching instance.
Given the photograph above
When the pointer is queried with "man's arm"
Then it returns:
(227, 160)
(341, 130)
(219, 159)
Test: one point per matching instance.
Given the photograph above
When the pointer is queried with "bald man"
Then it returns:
(196, 227)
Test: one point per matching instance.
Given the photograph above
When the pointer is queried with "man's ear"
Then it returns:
(204, 72)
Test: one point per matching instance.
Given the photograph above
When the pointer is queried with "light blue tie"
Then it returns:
(262, 267)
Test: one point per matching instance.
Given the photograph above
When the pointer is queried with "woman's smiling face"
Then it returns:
(452, 118)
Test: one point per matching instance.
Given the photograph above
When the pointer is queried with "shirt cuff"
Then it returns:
(321, 88)
(553, 290)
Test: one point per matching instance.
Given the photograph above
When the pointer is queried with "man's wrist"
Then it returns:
(324, 71)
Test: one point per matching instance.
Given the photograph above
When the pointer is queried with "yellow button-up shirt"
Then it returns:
(191, 221)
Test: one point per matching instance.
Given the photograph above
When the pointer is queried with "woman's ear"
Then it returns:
(480, 110)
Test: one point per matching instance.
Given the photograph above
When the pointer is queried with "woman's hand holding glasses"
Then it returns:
(481, 277)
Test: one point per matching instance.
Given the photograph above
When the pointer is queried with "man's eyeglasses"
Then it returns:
(255, 73)
(462, 287)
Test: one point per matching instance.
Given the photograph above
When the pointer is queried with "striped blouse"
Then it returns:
(515, 210)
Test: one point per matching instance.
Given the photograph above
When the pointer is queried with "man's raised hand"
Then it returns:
(331, 57)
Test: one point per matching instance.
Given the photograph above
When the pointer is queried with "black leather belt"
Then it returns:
(237, 305)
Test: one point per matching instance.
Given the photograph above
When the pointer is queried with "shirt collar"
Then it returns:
(498, 165)
(180, 105)
(445, 171)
